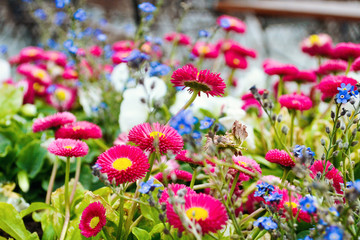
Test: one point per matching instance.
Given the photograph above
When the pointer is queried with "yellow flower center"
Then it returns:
(40, 74)
(314, 39)
(60, 95)
(68, 147)
(293, 205)
(204, 49)
(31, 52)
(197, 213)
(236, 61)
(233, 22)
(155, 133)
(77, 128)
(94, 222)
(122, 164)
(243, 164)
(38, 87)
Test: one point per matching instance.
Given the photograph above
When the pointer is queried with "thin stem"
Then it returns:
(67, 203)
(51, 181)
(131, 212)
(193, 179)
(101, 144)
(76, 180)
(293, 113)
(348, 66)
(191, 100)
(252, 215)
(280, 87)
(151, 162)
(285, 173)
(121, 219)
(233, 187)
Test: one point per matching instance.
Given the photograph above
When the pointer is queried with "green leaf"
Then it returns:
(11, 99)
(12, 223)
(5, 145)
(149, 213)
(23, 181)
(35, 207)
(158, 228)
(141, 234)
(31, 158)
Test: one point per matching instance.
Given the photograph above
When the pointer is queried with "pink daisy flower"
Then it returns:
(280, 157)
(235, 60)
(346, 50)
(205, 210)
(174, 188)
(39, 89)
(118, 57)
(92, 220)
(295, 101)
(203, 81)
(272, 67)
(62, 97)
(175, 174)
(317, 45)
(205, 50)
(28, 54)
(246, 163)
(70, 74)
(184, 156)
(249, 96)
(301, 77)
(67, 147)
(329, 84)
(53, 121)
(182, 39)
(55, 56)
(123, 164)
(229, 23)
(332, 67)
(96, 51)
(355, 66)
(122, 139)
(79, 130)
(233, 46)
(333, 175)
(252, 104)
(124, 45)
(168, 139)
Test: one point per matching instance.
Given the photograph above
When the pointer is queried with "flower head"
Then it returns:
(30, 53)
(180, 38)
(301, 77)
(299, 149)
(229, 23)
(272, 67)
(206, 123)
(62, 97)
(265, 223)
(175, 175)
(280, 157)
(248, 164)
(93, 219)
(334, 233)
(79, 130)
(80, 15)
(66, 147)
(317, 45)
(147, 7)
(273, 197)
(342, 97)
(332, 67)
(174, 188)
(124, 45)
(183, 156)
(204, 209)
(202, 81)
(295, 101)
(205, 50)
(149, 186)
(332, 174)
(53, 121)
(329, 84)
(307, 204)
(346, 51)
(149, 137)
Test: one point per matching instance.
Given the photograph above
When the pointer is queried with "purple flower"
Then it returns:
(147, 7)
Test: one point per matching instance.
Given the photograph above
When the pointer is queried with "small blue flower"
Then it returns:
(149, 17)
(103, 22)
(157, 69)
(147, 7)
(149, 186)
(334, 233)
(51, 89)
(68, 43)
(61, 3)
(263, 188)
(59, 18)
(88, 32)
(298, 151)
(344, 87)
(308, 204)
(136, 58)
(203, 33)
(101, 37)
(206, 123)
(333, 211)
(342, 97)
(259, 221)
(354, 92)
(103, 105)
(266, 223)
(158, 41)
(196, 135)
(3, 49)
(40, 14)
(80, 15)
(349, 184)
(94, 109)
(225, 23)
(273, 197)
(306, 238)
(356, 185)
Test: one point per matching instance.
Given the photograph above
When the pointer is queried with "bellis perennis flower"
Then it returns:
(93, 219)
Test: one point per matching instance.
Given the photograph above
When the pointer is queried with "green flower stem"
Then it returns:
(101, 144)
(191, 100)
(280, 87)
(193, 179)
(76, 180)
(252, 215)
(200, 62)
(350, 61)
(121, 219)
(293, 113)
(67, 203)
(151, 162)
(285, 174)
(52, 180)
(131, 212)
(233, 187)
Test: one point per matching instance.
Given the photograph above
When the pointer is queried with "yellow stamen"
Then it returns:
(68, 147)
(314, 39)
(40, 74)
(236, 61)
(31, 52)
(94, 222)
(197, 213)
(77, 128)
(155, 133)
(122, 164)
(204, 49)
(293, 205)
(60, 95)
(38, 87)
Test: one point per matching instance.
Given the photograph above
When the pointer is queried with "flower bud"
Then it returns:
(322, 141)
(327, 130)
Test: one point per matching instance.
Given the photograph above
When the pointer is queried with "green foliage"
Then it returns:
(10, 100)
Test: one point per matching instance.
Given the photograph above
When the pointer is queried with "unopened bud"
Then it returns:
(332, 114)
(352, 101)
(354, 143)
(273, 117)
(327, 130)
(284, 130)
(279, 118)
(337, 124)
(335, 153)
(348, 113)
(323, 156)
(322, 141)
(342, 127)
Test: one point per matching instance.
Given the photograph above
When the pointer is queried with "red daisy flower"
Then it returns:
(67, 147)
(167, 138)
(174, 188)
(55, 56)
(62, 98)
(204, 81)
(246, 163)
(70, 74)
(329, 84)
(30, 53)
(355, 66)
(295, 101)
(182, 39)
(122, 139)
(123, 164)
(184, 156)
(279, 156)
(332, 67)
(249, 96)
(175, 174)
(124, 45)
(205, 210)
(346, 50)
(53, 121)
(235, 60)
(333, 175)
(301, 77)
(272, 67)
(118, 57)
(205, 50)
(229, 23)
(233, 46)
(79, 130)
(317, 45)
(252, 104)
(92, 220)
